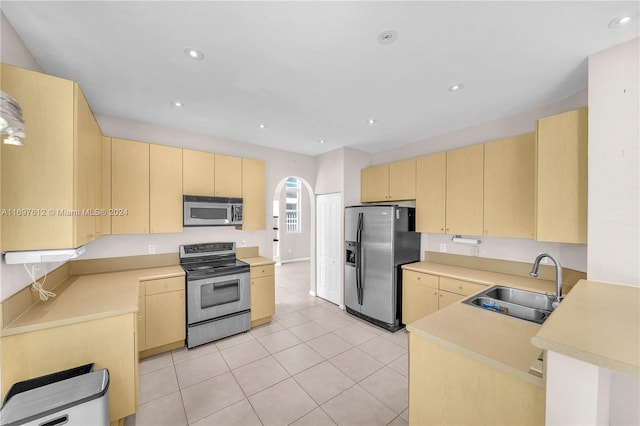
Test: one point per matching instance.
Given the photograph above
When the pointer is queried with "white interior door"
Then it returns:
(328, 246)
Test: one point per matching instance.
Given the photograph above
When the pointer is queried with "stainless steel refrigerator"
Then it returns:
(379, 239)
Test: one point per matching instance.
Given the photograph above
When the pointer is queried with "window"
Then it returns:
(292, 205)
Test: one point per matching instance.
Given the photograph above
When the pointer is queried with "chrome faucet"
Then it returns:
(534, 273)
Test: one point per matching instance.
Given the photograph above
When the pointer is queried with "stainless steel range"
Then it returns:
(218, 292)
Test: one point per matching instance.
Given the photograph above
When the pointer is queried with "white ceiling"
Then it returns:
(315, 70)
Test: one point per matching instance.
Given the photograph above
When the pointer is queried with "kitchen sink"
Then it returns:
(522, 304)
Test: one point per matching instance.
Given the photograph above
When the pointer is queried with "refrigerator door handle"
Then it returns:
(359, 257)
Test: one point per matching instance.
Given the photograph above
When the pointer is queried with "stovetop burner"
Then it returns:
(210, 259)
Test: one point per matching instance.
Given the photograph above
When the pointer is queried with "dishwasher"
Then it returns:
(77, 396)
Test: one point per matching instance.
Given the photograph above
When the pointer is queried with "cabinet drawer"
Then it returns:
(419, 278)
(261, 271)
(464, 288)
(164, 285)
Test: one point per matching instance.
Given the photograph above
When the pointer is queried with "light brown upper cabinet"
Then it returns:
(561, 177)
(228, 176)
(509, 170)
(253, 194)
(464, 212)
(165, 189)
(431, 183)
(389, 182)
(49, 185)
(130, 187)
(205, 173)
(106, 186)
(198, 175)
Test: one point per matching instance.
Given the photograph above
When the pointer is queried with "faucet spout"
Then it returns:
(534, 273)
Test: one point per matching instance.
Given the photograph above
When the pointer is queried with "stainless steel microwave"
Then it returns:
(211, 211)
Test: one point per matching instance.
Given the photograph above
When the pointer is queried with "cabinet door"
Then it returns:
(374, 184)
(106, 185)
(197, 172)
(419, 295)
(130, 187)
(431, 181)
(509, 187)
(446, 298)
(263, 297)
(142, 321)
(39, 175)
(88, 140)
(165, 189)
(561, 184)
(228, 176)
(254, 193)
(165, 311)
(402, 180)
(465, 190)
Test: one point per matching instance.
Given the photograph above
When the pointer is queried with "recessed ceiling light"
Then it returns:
(321, 141)
(371, 121)
(455, 87)
(262, 126)
(178, 104)
(620, 21)
(194, 53)
(387, 37)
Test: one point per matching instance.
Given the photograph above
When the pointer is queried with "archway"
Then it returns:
(301, 245)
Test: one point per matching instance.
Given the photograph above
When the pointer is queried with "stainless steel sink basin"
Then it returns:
(522, 304)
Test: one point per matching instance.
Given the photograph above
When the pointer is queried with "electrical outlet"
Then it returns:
(443, 248)
(475, 251)
(243, 243)
(152, 248)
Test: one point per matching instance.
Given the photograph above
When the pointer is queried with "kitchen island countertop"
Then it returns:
(497, 340)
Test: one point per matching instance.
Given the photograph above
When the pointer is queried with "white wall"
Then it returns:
(579, 392)
(614, 176)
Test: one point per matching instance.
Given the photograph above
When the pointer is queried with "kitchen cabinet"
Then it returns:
(423, 294)
(509, 171)
(165, 189)
(389, 182)
(105, 218)
(447, 387)
(228, 176)
(431, 184)
(419, 295)
(164, 315)
(464, 204)
(107, 342)
(263, 294)
(205, 173)
(561, 177)
(50, 185)
(198, 175)
(254, 193)
(130, 187)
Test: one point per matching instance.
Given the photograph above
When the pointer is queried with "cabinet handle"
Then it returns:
(447, 229)
(442, 229)
(460, 287)
(418, 278)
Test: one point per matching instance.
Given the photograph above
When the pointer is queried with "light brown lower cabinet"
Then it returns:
(161, 315)
(423, 294)
(107, 342)
(449, 388)
(263, 294)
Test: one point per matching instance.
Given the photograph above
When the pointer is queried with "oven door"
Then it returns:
(214, 297)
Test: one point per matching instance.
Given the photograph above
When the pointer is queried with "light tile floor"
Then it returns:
(314, 364)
